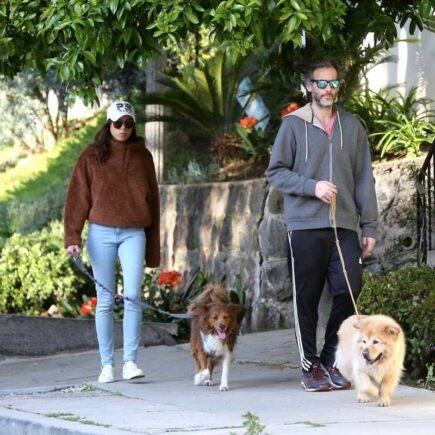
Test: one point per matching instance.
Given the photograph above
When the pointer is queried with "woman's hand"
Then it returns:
(73, 250)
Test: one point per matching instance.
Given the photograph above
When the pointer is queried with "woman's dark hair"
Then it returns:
(102, 140)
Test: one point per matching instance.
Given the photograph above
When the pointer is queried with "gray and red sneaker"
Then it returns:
(315, 380)
(335, 378)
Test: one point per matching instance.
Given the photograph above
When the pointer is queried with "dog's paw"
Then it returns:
(202, 377)
(362, 398)
(197, 379)
(208, 383)
(223, 387)
(384, 401)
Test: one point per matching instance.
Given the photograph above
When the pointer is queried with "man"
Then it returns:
(321, 151)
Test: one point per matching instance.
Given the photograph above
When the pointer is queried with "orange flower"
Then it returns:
(171, 278)
(289, 109)
(248, 121)
(86, 309)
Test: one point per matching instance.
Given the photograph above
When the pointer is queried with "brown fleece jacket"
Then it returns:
(120, 192)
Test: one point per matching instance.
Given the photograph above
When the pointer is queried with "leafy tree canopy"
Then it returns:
(82, 40)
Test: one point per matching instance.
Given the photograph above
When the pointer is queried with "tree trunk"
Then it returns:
(155, 131)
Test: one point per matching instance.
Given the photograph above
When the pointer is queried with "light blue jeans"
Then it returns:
(104, 244)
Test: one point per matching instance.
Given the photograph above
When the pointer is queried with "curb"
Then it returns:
(20, 423)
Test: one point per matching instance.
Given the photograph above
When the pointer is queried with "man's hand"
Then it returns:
(325, 190)
(73, 250)
(368, 244)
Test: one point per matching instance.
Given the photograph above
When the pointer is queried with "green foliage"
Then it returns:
(396, 124)
(255, 143)
(194, 173)
(404, 136)
(10, 157)
(39, 173)
(81, 41)
(28, 216)
(165, 294)
(430, 377)
(22, 117)
(35, 273)
(27, 118)
(408, 296)
(171, 299)
(253, 424)
(75, 40)
(33, 193)
(206, 94)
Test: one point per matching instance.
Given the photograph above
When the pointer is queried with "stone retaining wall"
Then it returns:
(40, 336)
(237, 229)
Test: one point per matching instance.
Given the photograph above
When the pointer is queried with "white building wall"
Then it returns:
(415, 65)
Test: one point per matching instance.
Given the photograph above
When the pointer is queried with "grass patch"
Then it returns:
(85, 388)
(38, 174)
(311, 424)
(269, 364)
(10, 155)
(71, 417)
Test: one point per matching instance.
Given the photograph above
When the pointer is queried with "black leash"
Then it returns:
(77, 261)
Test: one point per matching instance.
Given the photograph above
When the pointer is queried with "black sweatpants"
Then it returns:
(313, 260)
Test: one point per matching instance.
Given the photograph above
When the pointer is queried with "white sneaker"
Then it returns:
(131, 371)
(106, 374)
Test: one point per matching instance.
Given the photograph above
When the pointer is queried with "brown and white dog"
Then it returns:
(213, 334)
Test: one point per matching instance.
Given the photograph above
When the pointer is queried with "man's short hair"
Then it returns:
(321, 63)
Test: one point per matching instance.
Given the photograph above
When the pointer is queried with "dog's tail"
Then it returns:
(213, 293)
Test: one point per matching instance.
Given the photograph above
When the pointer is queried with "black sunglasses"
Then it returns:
(129, 123)
(322, 84)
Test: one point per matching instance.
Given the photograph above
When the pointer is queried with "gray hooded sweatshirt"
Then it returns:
(304, 154)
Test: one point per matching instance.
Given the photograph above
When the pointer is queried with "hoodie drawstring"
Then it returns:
(306, 142)
(341, 131)
(306, 136)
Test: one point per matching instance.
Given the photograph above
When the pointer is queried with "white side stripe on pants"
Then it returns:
(306, 364)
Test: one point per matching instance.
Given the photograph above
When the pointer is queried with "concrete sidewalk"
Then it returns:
(60, 395)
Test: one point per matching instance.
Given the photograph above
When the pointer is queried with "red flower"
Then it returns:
(86, 309)
(289, 109)
(248, 121)
(171, 278)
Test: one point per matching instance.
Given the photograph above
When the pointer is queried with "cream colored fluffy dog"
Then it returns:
(370, 354)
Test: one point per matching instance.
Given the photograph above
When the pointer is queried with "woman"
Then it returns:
(114, 187)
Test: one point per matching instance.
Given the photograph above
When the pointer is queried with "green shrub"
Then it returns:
(35, 273)
(396, 124)
(28, 216)
(407, 295)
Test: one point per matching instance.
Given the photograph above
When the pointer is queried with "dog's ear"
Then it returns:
(235, 307)
(358, 322)
(198, 309)
(391, 330)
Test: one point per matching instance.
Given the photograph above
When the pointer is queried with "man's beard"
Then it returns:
(321, 103)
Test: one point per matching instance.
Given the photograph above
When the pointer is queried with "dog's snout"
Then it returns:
(366, 355)
(222, 327)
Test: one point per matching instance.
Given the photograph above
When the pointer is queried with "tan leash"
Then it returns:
(337, 242)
